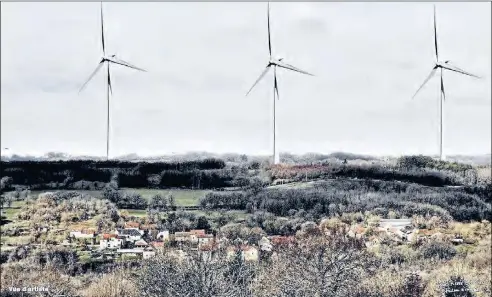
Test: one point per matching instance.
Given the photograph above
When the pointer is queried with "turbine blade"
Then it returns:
(269, 38)
(275, 83)
(259, 78)
(109, 81)
(425, 81)
(124, 63)
(92, 75)
(102, 30)
(435, 34)
(442, 88)
(290, 67)
(456, 69)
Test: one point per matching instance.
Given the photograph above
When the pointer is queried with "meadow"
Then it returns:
(183, 197)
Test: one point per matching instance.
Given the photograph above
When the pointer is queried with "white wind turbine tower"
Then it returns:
(107, 59)
(275, 62)
(440, 65)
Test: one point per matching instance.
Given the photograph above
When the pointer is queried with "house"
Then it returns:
(83, 234)
(136, 252)
(395, 223)
(163, 235)
(182, 236)
(194, 235)
(357, 231)
(205, 239)
(111, 241)
(157, 244)
(129, 234)
(132, 225)
(248, 253)
(148, 227)
(197, 232)
(141, 243)
(212, 246)
(396, 233)
(265, 244)
(142, 232)
(148, 253)
(411, 236)
(208, 250)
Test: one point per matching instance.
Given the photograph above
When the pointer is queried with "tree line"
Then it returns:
(335, 197)
(205, 174)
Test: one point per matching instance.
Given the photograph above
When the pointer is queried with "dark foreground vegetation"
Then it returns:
(321, 261)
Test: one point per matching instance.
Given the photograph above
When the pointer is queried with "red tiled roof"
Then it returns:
(197, 232)
(393, 230)
(157, 243)
(425, 232)
(181, 234)
(148, 227)
(359, 230)
(108, 236)
(282, 239)
(132, 225)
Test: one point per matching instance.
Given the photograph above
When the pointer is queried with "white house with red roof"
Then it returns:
(111, 241)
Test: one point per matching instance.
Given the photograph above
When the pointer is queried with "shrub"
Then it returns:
(439, 250)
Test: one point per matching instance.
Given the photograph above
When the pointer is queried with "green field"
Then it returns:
(11, 212)
(140, 213)
(183, 197)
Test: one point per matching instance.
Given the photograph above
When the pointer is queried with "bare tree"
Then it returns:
(193, 274)
(319, 266)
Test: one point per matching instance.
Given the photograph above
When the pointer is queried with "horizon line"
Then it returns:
(184, 153)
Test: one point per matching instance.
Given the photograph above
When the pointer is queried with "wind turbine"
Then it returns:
(274, 62)
(107, 59)
(441, 66)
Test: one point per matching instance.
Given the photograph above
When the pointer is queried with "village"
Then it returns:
(143, 241)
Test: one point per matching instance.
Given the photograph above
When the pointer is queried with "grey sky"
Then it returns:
(368, 58)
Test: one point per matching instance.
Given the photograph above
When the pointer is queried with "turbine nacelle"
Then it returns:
(275, 61)
(440, 64)
(108, 58)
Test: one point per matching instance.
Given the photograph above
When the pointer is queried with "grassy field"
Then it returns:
(183, 197)
(140, 213)
(12, 211)
(238, 214)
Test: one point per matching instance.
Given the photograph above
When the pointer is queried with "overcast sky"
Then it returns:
(368, 58)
